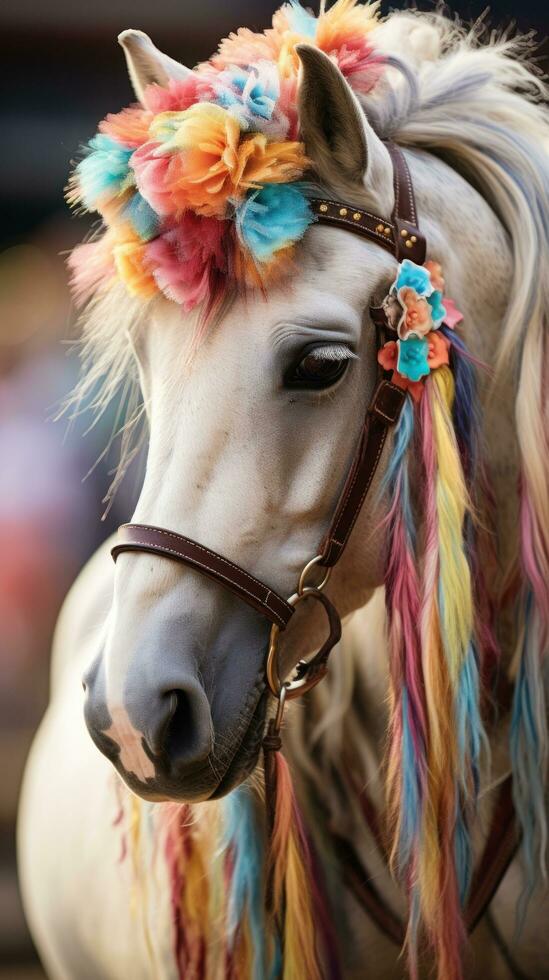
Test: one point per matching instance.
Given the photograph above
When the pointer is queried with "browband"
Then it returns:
(400, 236)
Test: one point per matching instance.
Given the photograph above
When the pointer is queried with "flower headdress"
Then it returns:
(205, 181)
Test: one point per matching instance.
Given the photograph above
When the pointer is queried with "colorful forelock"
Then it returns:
(204, 184)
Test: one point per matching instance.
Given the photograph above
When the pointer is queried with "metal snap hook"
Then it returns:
(307, 673)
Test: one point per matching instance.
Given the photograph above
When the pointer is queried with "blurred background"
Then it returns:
(63, 71)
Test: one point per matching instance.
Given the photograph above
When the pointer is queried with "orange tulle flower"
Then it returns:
(130, 126)
(198, 161)
(262, 162)
(343, 22)
(129, 259)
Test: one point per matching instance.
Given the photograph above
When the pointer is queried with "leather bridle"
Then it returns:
(402, 238)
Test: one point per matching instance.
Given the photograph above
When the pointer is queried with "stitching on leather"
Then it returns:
(201, 547)
(396, 179)
(410, 192)
(214, 571)
(367, 487)
(365, 491)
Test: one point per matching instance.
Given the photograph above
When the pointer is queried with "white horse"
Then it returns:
(253, 470)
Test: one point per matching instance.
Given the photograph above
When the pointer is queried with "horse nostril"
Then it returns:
(186, 734)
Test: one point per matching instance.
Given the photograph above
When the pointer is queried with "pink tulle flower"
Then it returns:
(179, 95)
(92, 268)
(156, 175)
(190, 261)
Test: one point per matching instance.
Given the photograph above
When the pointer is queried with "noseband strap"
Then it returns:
(145, 537)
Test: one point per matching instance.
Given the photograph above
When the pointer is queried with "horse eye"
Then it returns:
(316, 370)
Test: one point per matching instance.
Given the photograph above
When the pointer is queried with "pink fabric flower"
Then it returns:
(388, 356)
(453, 316)
(439, 349)
(435, 271)
(417, 314)
(190, 261)
(437, 356)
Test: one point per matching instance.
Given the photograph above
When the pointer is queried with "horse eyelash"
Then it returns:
(334, 352)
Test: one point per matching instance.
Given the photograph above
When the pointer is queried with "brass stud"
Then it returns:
(414, 239)
(409, 244)
(404, 233)
(343, 212)
(386, 231)
(357, 216)
(379, 228)
(323, 208)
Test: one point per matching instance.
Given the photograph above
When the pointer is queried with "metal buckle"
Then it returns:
(306, 674)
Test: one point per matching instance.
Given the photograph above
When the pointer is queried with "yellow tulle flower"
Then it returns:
(207, 162)
(130, 266)
(208, 137)
(262, 162)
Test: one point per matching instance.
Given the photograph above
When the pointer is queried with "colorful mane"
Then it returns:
(206, 186)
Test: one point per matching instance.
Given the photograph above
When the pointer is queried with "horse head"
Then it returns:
(251, 434)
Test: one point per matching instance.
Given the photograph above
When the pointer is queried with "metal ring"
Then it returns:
(301, 586)
(301, 684)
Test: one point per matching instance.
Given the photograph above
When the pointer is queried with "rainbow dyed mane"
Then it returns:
(204, 187)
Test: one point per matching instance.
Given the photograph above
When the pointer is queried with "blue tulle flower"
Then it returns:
(414, 276)
(412, 358)
(272, 218)
(252, 94)
(438, 311)
(141, 216)
(301, 21)
(104, 169)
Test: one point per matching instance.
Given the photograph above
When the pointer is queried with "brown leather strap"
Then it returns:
(384, 410)
(361, 883)
(500, 848)
(410, 243)
(401, 235)
(144, 537)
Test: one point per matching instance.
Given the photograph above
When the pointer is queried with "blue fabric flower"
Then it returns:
(415, 276)
(141, 216)
(272, 218)
(104, 169)
(412, 358)
(438, 311)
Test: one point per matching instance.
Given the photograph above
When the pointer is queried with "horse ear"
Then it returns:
(146, 64)
(338, 138)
